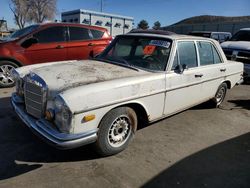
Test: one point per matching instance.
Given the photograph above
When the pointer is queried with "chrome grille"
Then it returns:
(34, 99)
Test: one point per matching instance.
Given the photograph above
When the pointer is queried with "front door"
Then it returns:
(183, 90)
(51, 46)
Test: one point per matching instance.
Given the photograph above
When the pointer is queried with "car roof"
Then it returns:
(72, 24)
(170, 36)
(152, 31)
(245, 29)
(209, 32)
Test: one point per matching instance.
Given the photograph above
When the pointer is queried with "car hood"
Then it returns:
(66, 75)
(237, 45)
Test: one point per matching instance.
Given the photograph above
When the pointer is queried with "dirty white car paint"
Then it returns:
(92, 87)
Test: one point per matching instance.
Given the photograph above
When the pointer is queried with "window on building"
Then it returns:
(98, 22)
(64, 20)
(86, 21)
(78, 33)
(52, 34)
(126, 26)
(76, 20)
(71, 20)
(108, 24)
(118, 25)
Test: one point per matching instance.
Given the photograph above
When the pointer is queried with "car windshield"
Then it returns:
(147, 53)
(241, 36)
(23, 32)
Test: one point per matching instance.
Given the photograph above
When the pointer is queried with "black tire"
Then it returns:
(220, 95)
(116, 131)
(6, 78)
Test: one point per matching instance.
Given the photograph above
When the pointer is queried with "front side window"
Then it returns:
(243, 35)
(52, 34)
(23, 31)
(187, 54)
(142, 52)
(78, 33)
(208, 54)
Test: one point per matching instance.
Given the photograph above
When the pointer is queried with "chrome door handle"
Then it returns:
(59, 47)
(223, 70)
(198, 75)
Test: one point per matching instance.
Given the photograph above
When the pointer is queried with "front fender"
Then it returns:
(97, 95)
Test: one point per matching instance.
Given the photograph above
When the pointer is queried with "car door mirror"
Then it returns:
(227, 38)
(184, 66)
(29, 42)
(180, 68)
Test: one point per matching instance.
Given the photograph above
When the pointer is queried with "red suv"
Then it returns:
(47, 43)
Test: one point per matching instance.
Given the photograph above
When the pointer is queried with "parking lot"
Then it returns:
(200, 147)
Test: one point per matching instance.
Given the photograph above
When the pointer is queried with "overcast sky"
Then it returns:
(165, 11)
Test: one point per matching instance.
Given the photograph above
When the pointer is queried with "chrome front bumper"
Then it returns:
(48, 132)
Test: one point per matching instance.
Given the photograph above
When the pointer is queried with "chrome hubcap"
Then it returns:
(119, 131)
(6, 77)
(220, 95)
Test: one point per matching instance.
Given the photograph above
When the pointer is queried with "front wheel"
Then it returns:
(116, 131)
(220, 95)
(6, 78)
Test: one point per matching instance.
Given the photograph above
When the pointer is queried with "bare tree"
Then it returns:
(42, 10)
(20, 9)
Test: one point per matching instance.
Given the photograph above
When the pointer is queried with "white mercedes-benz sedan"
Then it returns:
(140, 77)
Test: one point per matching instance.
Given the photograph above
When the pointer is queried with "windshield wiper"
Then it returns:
(119, 62)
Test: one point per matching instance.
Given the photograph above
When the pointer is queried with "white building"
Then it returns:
(116, 24)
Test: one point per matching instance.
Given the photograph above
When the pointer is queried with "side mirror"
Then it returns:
(184, 66)
(227, 38)
(29, 42)
(180, 68)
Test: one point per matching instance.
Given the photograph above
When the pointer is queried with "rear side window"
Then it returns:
(52, 34)
(187, 54)
(208, 54)
(78, 33)
(97, 34)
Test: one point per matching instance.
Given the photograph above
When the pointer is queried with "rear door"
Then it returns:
(212, 68)
(99, 41)
(80, 43)
(50, 47)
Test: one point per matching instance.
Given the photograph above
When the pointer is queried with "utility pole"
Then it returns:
(101, 5)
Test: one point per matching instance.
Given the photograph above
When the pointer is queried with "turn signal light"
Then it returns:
(49, 114)
(88, 117)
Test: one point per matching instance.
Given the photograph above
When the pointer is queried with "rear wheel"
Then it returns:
(6, 77)
(220, 95)
(116, 131)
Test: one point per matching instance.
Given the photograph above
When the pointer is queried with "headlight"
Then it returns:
(19, 83)
(63, 115)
